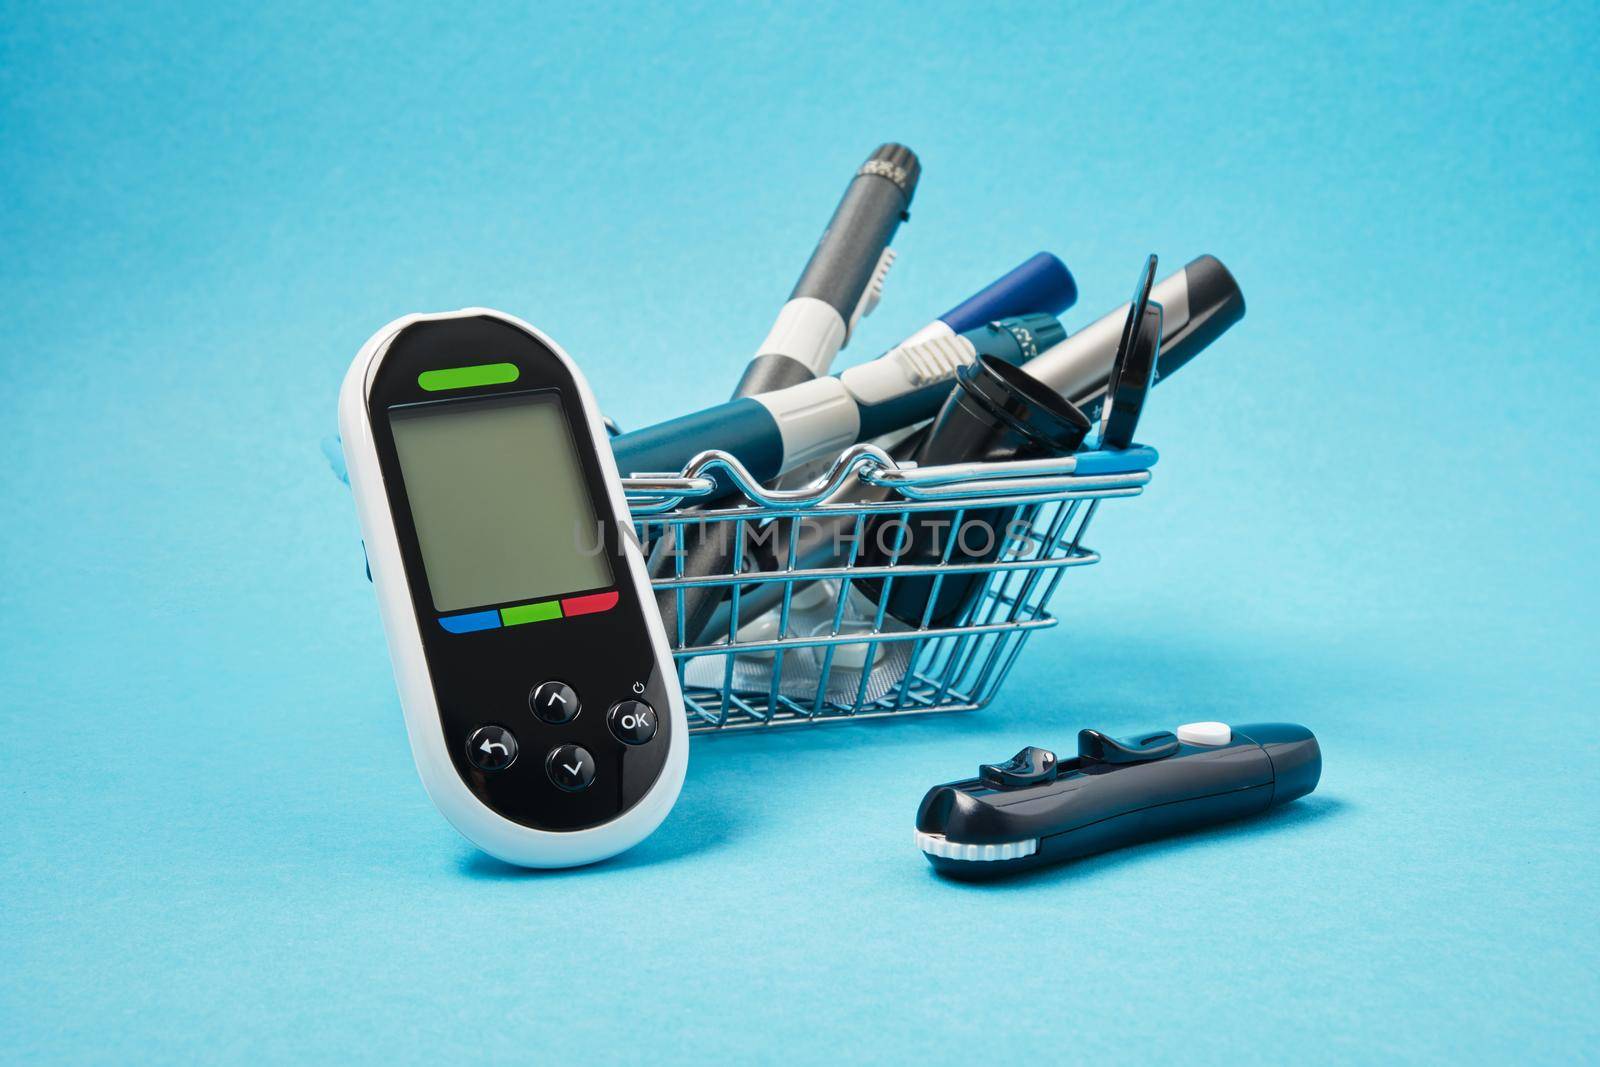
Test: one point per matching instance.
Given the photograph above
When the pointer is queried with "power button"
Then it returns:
(633, 722)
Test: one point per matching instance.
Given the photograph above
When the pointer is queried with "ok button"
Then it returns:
(633, 722)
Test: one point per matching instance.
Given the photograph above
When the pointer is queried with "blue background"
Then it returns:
(1373, 515)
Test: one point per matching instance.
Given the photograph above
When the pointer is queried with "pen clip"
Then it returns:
(871, 294)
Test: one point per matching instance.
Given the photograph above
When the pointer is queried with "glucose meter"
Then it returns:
(539, 692)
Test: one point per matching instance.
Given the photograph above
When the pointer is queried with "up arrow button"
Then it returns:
(554, 702)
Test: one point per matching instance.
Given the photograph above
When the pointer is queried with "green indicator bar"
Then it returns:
(466, 377)
(540, 612)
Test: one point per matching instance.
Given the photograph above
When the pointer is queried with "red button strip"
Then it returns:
(592, 604)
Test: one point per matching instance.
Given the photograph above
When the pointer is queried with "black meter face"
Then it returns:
(532, 623)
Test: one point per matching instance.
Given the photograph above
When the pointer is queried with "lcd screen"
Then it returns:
(502, 510)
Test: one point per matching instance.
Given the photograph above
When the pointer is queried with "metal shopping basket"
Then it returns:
(799, 642)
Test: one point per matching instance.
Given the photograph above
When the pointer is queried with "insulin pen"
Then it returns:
(775, 432)
(841, 283)
(748, 428)
(1040, 283)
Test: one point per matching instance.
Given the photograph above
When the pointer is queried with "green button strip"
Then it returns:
(435, 381)
(540, 612)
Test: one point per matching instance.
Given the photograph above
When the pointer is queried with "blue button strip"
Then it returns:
(471, 622)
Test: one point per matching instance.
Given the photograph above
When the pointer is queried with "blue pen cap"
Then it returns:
(1042, 285)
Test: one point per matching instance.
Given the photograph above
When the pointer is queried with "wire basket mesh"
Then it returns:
(804, 633)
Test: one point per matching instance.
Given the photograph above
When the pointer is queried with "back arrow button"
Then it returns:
(492, 748)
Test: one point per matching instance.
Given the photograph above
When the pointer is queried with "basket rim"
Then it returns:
(1091, 473)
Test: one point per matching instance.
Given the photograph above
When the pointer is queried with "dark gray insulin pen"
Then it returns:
(844, 277)
(841, 282)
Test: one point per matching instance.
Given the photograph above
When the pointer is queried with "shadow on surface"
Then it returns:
(747, 783)
(698, 823)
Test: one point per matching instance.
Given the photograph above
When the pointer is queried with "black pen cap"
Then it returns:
(1215, 304)
(1009, 414)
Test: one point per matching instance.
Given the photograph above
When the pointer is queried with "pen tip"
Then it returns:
(1212, 286)
(897, 163)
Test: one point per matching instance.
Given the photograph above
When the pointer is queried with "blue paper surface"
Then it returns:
(1374, 514)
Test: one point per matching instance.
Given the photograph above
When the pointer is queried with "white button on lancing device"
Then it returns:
(1205, 733)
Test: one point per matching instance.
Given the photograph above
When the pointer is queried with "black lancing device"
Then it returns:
(1035, 810)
